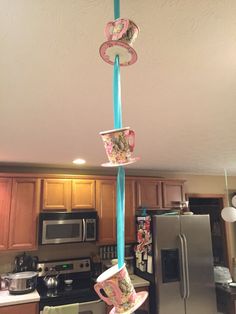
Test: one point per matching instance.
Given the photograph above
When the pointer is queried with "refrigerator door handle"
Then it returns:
(186, 266)
(183, 273)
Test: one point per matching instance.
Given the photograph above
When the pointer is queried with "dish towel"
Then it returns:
(62, 309)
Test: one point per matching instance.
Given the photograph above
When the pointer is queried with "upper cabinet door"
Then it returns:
(173, 191)
(83, 194)
(5, 201)
(130, 234)
(106, 207)
(23, 215)
(149, 193)
(56, 194)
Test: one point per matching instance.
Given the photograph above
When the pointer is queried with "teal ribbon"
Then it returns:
(116, 9)
(120, 214)
(117, 95)
(120, 183)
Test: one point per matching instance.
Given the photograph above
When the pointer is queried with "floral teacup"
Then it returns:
(118, 287)
(119, 143)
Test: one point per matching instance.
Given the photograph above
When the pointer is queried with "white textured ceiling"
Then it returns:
(180, 97)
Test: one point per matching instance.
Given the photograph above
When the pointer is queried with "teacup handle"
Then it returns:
(98, 286)
(111, 25)
(131, 140)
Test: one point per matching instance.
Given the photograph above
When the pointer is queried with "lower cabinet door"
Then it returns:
(26, 308)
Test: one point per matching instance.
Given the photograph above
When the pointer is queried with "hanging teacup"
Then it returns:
(120, 34)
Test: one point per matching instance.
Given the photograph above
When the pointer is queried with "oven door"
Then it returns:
(62, 231)
(91, 307)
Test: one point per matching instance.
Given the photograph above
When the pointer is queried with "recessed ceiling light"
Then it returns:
(79, 161)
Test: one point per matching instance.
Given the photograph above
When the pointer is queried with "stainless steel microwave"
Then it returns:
(67, 227)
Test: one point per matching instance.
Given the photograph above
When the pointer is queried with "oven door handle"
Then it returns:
(84, 230)
(90, 302)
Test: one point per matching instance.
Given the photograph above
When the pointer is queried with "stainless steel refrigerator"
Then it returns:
(183, 265)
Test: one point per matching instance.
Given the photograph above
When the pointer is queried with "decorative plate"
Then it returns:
(111, 48)
(132, 160)
(140, 299)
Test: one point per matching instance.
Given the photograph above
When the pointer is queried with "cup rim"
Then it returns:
(114, 130)
(124, 18)
(110, 272)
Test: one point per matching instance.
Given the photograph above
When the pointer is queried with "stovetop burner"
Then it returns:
(81, 290)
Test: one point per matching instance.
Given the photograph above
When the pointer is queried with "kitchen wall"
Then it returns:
(50, 252)
(204, 184)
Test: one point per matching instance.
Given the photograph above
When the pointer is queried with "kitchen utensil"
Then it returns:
(3, 282)
(22, 282)
(51, 280)
(68, 282)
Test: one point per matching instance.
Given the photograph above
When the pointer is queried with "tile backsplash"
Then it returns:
(50, 252)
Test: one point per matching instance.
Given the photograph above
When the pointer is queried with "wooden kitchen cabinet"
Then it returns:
(30, 308)
(19, 207)
(106, 207)
(23, 214)
(145, 305)
(130, 206)
(149, 193)
(68, 194)
(159, 194)
(83, 194)
(56, 194)
(172, 191)
(5, 203)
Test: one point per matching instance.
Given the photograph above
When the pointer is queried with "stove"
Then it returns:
(80, 290)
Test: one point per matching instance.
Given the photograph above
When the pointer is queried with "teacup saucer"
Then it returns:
(140, 299)
(111, 48)
(110, 164)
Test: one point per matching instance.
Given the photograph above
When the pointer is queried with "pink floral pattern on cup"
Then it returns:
(118, 288)
(119, 144)
(123, 30)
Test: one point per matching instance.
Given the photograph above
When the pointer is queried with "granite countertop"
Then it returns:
(8, 299)
(138, 281)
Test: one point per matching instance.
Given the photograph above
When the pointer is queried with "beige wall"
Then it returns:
(204, 184)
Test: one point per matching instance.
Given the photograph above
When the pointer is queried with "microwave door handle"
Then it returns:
(84, 230)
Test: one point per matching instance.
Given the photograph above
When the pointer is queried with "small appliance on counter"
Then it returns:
(25, 262)
(20, 283)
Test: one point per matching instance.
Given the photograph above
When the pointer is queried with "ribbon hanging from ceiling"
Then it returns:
(119, 143)
(120, 183)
